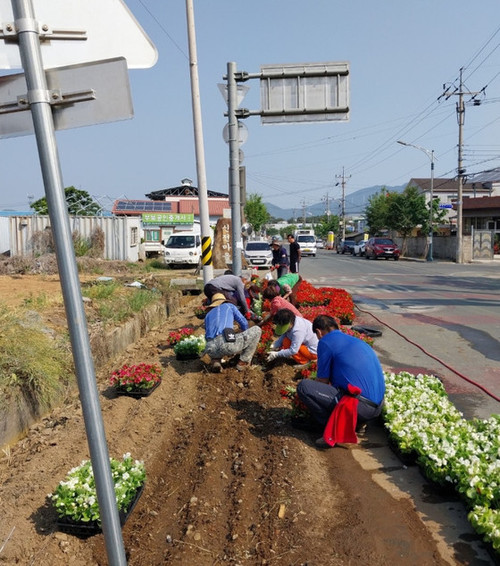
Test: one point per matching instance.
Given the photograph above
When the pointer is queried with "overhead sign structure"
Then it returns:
(79, 31)
(304, 92)
(74, 103)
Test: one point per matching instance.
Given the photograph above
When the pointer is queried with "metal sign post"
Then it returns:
(234, 167)
(38, 97)
(290, 93)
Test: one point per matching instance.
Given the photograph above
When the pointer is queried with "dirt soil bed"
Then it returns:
(229, 481)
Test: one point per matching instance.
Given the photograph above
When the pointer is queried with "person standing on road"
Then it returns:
(280, 257)
(343, 361)
(295, 254)
(221, 338)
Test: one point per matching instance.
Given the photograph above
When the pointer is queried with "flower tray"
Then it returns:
(139, 392)
(406, 458)
(187, 356)
(90, 528)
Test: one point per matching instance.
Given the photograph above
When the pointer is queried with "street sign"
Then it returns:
(304, 92)
(445, 206)
(79, 31)
(87, 94)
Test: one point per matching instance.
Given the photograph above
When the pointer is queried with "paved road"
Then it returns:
(436, 317)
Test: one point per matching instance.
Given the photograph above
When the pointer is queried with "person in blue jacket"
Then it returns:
(342, 360)
(221, 339)
(280, 257)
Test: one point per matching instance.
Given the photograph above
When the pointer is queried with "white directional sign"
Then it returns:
(79, 31)
(83, 95)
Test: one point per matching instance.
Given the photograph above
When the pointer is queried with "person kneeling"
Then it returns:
(221, 338)
(296, 338)
(345, 364)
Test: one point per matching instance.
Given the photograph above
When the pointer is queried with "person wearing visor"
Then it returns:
(296, 339)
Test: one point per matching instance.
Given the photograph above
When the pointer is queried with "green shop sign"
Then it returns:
(162, 218)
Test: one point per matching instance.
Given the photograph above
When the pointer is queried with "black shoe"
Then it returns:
(305, 423)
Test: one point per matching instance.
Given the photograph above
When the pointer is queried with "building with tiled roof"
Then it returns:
(171, 210)
(446, 191)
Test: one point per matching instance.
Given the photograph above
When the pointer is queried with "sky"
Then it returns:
(402, 57)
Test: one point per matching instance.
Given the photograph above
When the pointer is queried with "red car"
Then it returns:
(381, 247)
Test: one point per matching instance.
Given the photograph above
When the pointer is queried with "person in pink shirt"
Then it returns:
(272, 293)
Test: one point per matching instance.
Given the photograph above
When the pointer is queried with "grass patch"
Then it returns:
(115, 303)
(32, 362)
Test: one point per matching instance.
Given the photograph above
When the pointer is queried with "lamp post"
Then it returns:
(430, 155)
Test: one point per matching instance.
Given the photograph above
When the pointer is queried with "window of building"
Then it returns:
(134, 236)
(152, 235)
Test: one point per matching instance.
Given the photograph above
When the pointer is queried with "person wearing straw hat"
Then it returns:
(222, 341)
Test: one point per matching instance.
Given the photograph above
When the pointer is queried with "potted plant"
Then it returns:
(75, 498)
(137, 380)
(176, 336)
(200, 312)
(190, 348)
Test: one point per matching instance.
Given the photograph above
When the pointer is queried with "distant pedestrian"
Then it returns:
(295, 254)
(280, 257)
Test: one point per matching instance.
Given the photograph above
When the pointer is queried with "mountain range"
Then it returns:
(354, 204)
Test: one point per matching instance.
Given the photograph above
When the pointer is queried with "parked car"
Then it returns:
(359, 248)
(320, 244)
(259, 254)
(381, 247)
(345, 246)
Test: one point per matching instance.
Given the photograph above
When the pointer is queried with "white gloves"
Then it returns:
(272, 356)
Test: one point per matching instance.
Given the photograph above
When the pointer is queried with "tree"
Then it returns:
(79, 203)
(256, 212)
(406, 211)
(376, 212)
(327, 223)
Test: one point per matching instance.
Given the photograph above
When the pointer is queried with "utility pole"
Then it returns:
(304, 208)
(326, 198)
(206, 240)
(343, 183)
(460, 171)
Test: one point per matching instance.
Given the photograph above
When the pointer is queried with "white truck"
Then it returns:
(307, 242)
(184, 247)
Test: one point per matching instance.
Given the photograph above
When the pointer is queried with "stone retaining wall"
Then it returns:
(17, 417)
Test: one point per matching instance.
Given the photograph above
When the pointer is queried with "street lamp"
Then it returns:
(430, 155)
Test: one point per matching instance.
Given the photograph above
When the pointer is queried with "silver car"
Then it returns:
(359, 248)
(259, 254)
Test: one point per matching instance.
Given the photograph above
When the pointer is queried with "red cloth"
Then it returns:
(341, 426)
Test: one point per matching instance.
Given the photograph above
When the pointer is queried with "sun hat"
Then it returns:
(217, 300)
(280, 329)
(275, 240)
